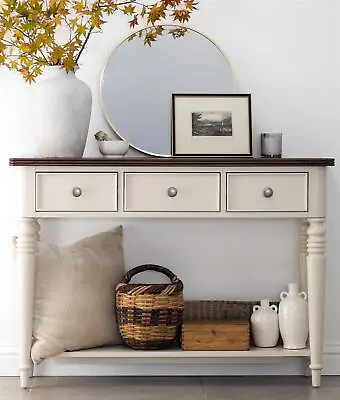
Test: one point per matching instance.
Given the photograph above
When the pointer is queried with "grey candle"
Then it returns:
(271, 145)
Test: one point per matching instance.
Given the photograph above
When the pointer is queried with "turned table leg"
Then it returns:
(303, 273)
(303, 255)
(25, 259)
(316, 263)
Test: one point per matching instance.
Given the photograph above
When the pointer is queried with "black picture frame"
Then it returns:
(199, 138)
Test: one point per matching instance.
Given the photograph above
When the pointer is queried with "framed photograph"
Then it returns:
(211, 125)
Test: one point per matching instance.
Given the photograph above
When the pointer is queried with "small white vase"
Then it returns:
(265, 325)
(293, 318)
(60, 112)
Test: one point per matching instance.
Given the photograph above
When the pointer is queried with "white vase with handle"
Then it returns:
(293, 318)
(60, 110)
(265, 324)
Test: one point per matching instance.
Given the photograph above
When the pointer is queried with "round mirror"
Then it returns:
(138, 81)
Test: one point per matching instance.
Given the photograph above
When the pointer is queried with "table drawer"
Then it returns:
(267, 192)
(76, 192)
(157, 192)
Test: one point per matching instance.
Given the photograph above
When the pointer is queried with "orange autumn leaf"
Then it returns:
(129, 10)
(133, 22)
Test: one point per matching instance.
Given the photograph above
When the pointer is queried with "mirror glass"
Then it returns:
(138, 81)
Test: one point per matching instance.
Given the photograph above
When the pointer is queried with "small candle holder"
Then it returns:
(271, 145)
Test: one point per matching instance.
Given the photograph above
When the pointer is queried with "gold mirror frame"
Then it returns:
(103, 108)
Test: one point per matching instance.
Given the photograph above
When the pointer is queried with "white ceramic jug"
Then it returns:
(265, 325)
(293, 318)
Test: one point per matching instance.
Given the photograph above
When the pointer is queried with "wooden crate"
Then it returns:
(215, 335)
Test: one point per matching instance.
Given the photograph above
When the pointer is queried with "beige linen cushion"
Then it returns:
(74, 300)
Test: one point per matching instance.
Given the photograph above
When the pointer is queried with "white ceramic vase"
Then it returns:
(265, 325)
(293, 318)
(60, 110)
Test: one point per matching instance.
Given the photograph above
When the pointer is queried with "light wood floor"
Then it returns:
(172, 388)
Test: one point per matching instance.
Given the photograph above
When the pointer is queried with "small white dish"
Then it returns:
(113, 148)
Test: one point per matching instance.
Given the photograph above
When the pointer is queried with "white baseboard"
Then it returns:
(331, 358)
(9, 367)
(9, 360)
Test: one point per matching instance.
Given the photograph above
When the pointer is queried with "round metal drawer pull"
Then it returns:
(268, 192)
(76, 191)
(172, 192)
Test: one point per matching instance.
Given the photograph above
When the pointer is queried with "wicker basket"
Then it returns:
(149, 316)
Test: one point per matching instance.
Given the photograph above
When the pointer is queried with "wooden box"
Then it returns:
(215, 335)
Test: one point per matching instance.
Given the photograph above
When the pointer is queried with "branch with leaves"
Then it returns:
(29, 28)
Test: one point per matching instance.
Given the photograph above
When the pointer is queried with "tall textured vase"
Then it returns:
(293, 318)
(60, 112)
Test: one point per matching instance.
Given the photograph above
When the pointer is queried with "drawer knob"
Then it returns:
(268, 192)
(76, 191)
(172, 192)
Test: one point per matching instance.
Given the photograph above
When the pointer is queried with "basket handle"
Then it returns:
(149, 267)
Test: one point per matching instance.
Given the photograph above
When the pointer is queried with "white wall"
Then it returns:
(285, 52)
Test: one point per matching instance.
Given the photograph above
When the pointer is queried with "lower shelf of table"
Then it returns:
(121, 354)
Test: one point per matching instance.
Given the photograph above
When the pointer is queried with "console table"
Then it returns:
(175, 188)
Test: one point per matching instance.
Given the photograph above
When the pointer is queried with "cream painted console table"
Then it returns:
(176, 188)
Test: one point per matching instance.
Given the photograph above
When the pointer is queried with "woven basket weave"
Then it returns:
(219, 309)
(149, 315)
